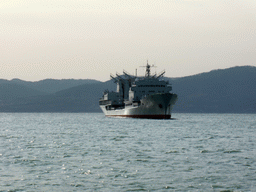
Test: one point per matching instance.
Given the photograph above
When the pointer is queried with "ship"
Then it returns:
(146, 96)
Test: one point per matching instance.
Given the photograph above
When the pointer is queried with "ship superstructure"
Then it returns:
(139, 97)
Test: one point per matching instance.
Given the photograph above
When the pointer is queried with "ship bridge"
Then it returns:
(148, 86)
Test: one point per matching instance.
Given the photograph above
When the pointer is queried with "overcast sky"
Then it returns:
(82, 39)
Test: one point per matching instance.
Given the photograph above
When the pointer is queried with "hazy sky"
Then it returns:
(82, 39)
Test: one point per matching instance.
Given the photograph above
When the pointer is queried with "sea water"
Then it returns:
(91, 152)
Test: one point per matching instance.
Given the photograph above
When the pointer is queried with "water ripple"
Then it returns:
(89, 152)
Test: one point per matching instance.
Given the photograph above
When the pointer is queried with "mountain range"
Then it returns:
(231, 90)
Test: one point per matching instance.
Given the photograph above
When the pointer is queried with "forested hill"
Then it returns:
(49, 85)
(231, 90)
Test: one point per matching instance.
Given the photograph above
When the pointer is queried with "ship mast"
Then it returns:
(148, 69)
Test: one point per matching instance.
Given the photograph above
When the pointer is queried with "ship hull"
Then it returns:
(155, 106)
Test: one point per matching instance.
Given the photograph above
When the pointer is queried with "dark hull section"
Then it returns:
(143, 116)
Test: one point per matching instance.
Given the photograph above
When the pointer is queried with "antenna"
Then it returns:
(118, 76)
(161, 74)
(148, 69)
(114, 78)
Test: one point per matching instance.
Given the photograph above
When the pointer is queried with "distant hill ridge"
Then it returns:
(231, 90)
(49, 85)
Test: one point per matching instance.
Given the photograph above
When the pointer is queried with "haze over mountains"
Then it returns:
(231, 90)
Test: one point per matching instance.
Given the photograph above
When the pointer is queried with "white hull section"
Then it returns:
(155, 106)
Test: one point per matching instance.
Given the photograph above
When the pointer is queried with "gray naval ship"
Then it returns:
(139, 97)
